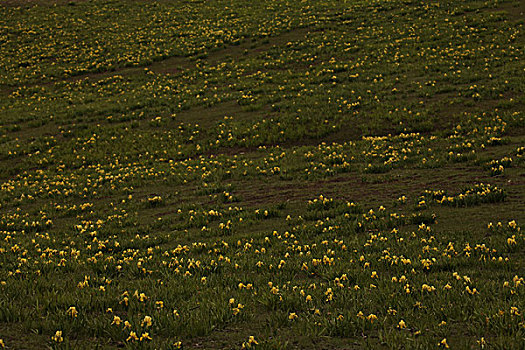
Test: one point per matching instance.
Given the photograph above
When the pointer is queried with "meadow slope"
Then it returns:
(332, 174)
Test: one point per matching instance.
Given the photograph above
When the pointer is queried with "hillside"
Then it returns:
(332, 174)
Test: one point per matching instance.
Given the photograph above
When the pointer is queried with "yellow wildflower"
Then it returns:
(147, 321)
(132, 336)
(72, 311)
(116, 320)
(145, 336)
(57, 338)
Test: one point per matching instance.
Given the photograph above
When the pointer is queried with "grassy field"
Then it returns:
(329, 174)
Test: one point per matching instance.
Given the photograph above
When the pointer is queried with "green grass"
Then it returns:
(320, 175)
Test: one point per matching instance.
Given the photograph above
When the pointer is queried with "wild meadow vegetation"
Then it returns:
(272, 174)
